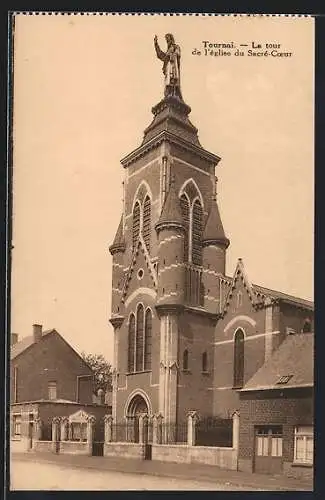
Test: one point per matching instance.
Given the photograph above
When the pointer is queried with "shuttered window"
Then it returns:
(197, 233)
(135, 225)
(186, 217)
(147, 222)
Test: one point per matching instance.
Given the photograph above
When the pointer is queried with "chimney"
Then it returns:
(37, 332)
(13, 339)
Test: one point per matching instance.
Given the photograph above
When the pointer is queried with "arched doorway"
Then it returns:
(137, 406)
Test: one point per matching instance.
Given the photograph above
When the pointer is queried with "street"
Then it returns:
(48, 476)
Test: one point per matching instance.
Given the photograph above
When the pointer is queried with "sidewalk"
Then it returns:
(167, 469)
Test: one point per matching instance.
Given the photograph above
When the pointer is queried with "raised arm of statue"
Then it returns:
(160, 54)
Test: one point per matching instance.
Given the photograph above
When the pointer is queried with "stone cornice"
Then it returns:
(163, 309)
(220, 242)
(174, 139)
(169, 225)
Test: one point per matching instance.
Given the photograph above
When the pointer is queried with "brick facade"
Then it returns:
(50, 359)
(288, 408)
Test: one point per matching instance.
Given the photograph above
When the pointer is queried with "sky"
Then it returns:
(83, 91)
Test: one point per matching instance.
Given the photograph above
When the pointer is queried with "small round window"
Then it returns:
(140, 274)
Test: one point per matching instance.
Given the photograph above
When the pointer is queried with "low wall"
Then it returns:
(74, 448)
(43, 446)
(225, 458)
(126, 450)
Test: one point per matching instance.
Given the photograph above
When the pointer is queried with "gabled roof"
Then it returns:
(213, 231)
(240, 271)
(274, 294)
(293, 361)
(24, 343)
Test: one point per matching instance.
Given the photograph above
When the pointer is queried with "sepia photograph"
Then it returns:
(161, 309)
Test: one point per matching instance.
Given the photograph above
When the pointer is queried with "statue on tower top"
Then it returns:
(171, 67)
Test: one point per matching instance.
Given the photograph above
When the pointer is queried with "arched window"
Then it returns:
(307, 326)
(135, 224)
(147, 222)
(239, 355)
(205, 362)
(147, 342)
(139, 339)
(186, 217)
(197, 233)
(185, 360)
(131, 345)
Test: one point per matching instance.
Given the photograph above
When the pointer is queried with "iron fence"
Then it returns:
(214, 431)
(174, 433)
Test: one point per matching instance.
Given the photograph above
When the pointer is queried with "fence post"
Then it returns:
(108, 428)
(90, 432)
(157, 428)
(55, 433)
(235, 430)
(64, 428)
(192, 419)
(143, 428)
(38, 429)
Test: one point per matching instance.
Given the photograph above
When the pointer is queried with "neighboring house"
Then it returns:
(186, 335)
(277, 412)
(48, 378)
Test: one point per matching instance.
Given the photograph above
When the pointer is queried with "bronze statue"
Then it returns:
(171, 67)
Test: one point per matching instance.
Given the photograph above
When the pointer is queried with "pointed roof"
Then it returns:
(171, 214)
(118, 244)
(214, 232)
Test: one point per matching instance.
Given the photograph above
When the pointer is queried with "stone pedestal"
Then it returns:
(108, 428)
(192, 420)
(64, 428)
(90, 433)
(157, 428)
(55, 433)
(143, 428)
(235, 430)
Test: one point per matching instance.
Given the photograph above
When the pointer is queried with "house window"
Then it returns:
(185, 360)
(269, 441)
(16, 426)
(52, 390)
(204, 362)
(197, 233)
(239, 355)
(304, 445)
(147, 222)
(135, 224)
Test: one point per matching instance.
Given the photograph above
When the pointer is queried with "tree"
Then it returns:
(102, 371)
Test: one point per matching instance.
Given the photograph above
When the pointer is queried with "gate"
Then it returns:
(98, 439)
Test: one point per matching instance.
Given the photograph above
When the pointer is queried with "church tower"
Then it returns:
(169, 257)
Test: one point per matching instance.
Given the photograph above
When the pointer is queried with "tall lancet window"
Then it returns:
(139, 339)
(197, 233)
(186, 217)
(147, 341)
(239, 358)
(131, 345)
(147, 222)
(136, 224)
